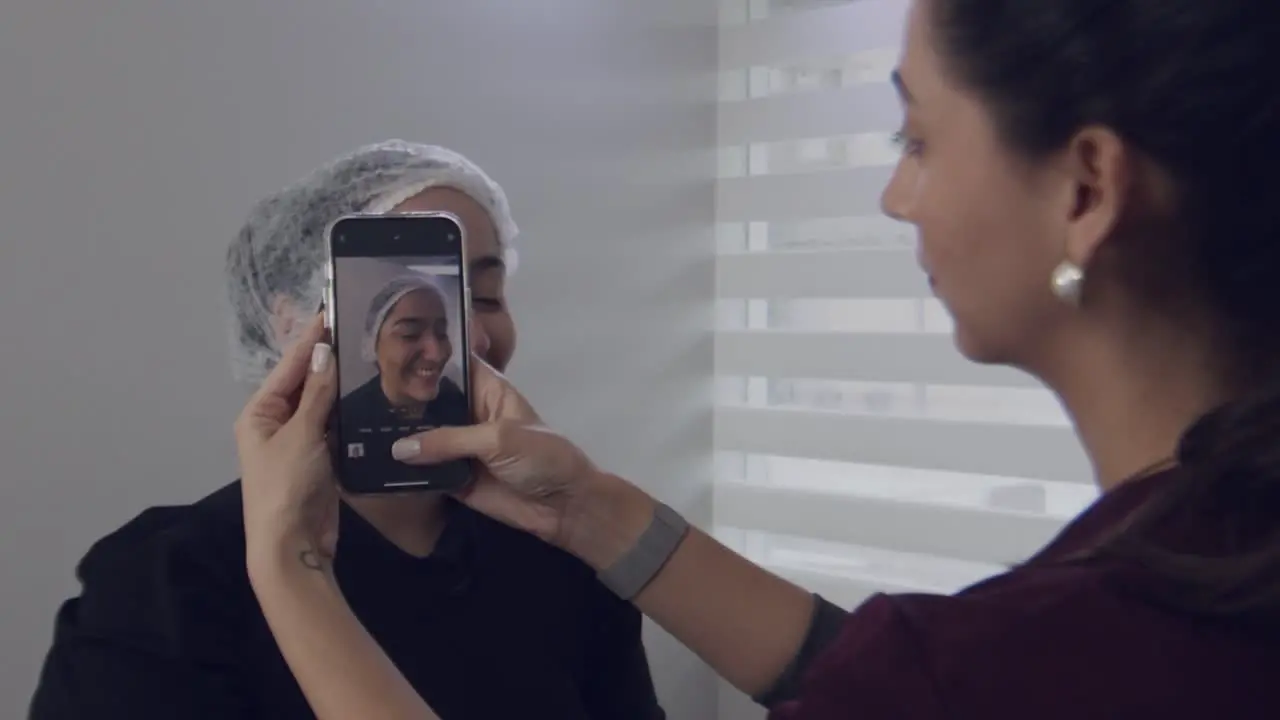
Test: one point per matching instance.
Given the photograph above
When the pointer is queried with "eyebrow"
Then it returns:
(487, 262)
(895, 77)
(416, 322)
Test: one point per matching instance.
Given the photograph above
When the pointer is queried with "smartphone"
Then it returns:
(397, 311)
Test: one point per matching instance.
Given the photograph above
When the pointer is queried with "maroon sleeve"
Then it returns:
(875, 670)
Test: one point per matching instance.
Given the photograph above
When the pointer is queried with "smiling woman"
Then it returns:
(407, 339)
(1077, 226)
(478, 619)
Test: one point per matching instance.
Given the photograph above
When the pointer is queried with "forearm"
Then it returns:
(745, 622)
(342, 671)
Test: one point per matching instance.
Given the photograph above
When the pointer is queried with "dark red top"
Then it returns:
(1043, 642)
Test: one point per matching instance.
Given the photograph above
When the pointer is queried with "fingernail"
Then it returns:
(321, 354)
(406, 448)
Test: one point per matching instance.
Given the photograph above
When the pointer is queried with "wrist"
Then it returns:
(606, 520)
(285, 558)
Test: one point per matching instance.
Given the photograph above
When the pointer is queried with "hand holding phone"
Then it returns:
(396, 307)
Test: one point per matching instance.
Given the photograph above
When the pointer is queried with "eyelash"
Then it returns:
(416, 337)
(907, 144)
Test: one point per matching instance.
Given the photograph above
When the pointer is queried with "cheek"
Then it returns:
(954, 227)
(394, 352)
(981, 241)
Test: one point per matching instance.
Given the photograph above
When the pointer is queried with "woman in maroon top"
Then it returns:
(1094, 185)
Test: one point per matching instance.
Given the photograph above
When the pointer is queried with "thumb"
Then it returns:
(448, 443)
(319, 389)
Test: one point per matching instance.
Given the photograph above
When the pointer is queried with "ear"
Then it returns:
(284, 317)
(1099, 167)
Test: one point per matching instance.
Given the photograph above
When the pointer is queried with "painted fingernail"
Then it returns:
(406, 448)
(321, 354)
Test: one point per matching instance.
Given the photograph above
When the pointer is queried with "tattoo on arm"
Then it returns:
(312, 559)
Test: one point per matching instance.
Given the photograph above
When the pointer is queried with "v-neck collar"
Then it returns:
(455, 547)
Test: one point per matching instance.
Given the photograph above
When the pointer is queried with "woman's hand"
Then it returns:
(530, 477)
(290, 495)
(747, 623)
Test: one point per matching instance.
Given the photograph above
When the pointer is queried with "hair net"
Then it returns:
(279, 253)
(385, 299)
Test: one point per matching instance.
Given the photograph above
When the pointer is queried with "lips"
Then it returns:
(425, 371)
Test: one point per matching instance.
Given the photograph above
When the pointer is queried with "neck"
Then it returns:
(1131, 401)
(412, 522)
(408, 407)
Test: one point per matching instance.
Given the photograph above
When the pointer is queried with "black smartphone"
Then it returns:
(396, 307)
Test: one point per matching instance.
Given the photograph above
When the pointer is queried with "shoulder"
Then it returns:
(451, 403)
(449, 388)
(943, 650)
(1002, 625)
(519, 553)
(168, 570)
(562, 578)
(369, 389)
(206, 529)
(156, 630)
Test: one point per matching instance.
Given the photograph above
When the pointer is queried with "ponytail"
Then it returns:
(1226, 485)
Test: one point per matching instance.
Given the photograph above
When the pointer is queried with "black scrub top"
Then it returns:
(494, 624)
(371, 423)
(367, 406)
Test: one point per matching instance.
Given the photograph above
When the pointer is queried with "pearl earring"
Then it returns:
(1067, 281)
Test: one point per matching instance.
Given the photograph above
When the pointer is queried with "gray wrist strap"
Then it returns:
(634, 570)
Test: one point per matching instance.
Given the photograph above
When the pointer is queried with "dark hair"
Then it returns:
(1189, 85)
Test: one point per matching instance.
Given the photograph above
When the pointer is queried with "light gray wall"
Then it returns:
(134, 135)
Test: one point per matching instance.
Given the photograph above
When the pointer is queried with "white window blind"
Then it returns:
(857, 451)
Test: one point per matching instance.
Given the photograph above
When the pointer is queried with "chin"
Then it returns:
(974, 348)
(426, 397)
(422, 393)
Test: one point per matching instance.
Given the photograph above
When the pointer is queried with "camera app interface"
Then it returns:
(402, 362)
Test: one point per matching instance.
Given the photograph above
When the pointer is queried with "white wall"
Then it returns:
(135, 134)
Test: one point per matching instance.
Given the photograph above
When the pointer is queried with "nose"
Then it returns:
(479, 338)
(435, 347)
(895, 198)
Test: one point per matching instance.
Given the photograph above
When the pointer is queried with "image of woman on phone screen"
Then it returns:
(406, 337)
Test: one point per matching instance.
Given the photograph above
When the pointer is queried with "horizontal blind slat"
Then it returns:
(839, 30)
(872, 357)
(987, 536)
(842, 273)
(844, 592)
(863, 108)
(987, 448)
(801, 196)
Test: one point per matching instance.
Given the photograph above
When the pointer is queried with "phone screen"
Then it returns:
(397, 295)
